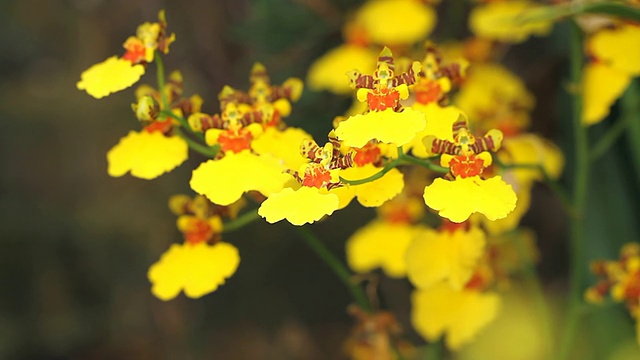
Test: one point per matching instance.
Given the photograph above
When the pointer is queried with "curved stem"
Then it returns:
(580, 187)
(336, 266)
(408, 159)
(207, 151)
(241, 221)
(403, 159)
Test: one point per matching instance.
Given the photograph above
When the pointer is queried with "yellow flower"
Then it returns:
(449, 256)
(329, 71)
(460, 314)
(386, 126)
(197, 269)
(396, 22)
(224, 181)
(109, 76)
(457, 200)
(381, 244)
(530, 149)
(602, 85)
(146, 154)
(374, 193)
(439, 124)
(512, 220)
(282, 144)
(299, 207)
(498, 20)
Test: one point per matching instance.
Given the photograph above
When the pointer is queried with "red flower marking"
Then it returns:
(316, 176)
(159, 126)
(632, 290)
(466, 166)
(235, 141)
(477, 282)
(379, 100)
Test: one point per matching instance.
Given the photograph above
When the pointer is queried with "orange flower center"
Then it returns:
(136, 51)
(159, 126)
(380, 100)
(199, 231)
(428, 91)
(369, 154)
(235, 141)
(316, 176)
(466, 166)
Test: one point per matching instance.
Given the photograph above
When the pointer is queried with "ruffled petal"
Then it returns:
(197, 269)
(147, 155)
(439, 124)
(224, 181)
(109, 76)
(299, 207)
(602, 85)
(283, 145)
(499, 21)
(396, 21)
(457, 200)
(381, 244)
(450, 256)
(459, 314)
(386, 126)
(329, 72)
(377, 192)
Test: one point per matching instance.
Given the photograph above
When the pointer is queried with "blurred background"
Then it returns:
(75, 244)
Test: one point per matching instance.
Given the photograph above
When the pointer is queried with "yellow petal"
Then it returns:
(602, 86)
(386, 126)
(299, 207)
(329, 71)
(459, 314)
(283, 145)
(197, 269)
(457, 200)
(450, 256)
(530, 149)
(512, 220)
(618, 48)
(377, 192)
(147, 155)
(109, 76)
(499, 21)
(393, 22)
(380, 244)
(439, 124)
(224, 181)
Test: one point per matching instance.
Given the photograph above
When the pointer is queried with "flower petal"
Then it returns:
(499, 21)
(396, 21)
(457, 200)
(386, 126)
(147, 155)
(283, 145)
(612, 47)
(329, 71)
(439, 124)
(602, 85)
(299, 207)
(224, 181)
(109, 76)
(197, 269)
(377, 192)
(451, 256)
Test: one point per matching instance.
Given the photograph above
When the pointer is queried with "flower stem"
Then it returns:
(609, 138)
(336, 266)
(580, 187)
(241, 221)
(160, 78)
(207, 151)
(403, 159)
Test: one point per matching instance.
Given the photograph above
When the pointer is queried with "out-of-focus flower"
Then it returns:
(118, 73)
(500, 20)
(396, 22)
(621, 280)
(614, 64)
(202, 263)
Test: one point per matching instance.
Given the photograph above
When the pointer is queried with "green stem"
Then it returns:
(403, 159)
(580, 188)
(160, 78)
(207, 151)
(631, 112)
(408, 159)
(609, 138)
(241, 221)
(336, 266)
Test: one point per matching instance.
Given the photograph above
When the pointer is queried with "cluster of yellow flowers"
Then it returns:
(440, 141)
